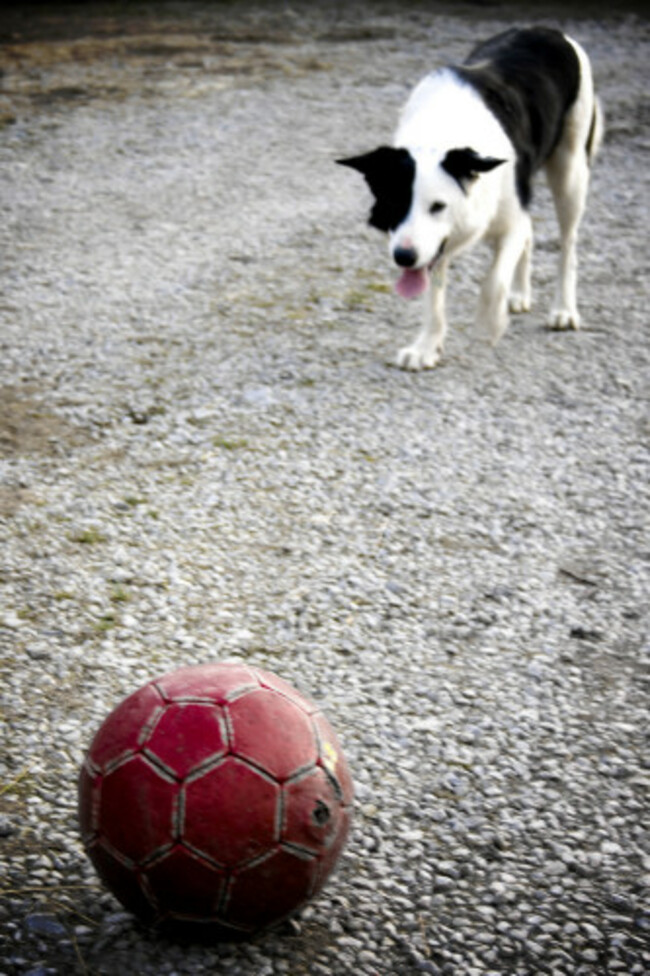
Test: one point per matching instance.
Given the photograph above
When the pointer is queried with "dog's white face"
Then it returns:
(437, 202)
(421, 201)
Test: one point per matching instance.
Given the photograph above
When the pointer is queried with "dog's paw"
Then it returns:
(417, 357)
(561, 319)
(519, 303)
(493, 328)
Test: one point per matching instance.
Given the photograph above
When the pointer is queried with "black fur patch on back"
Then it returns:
(389, 173)
(528, 79)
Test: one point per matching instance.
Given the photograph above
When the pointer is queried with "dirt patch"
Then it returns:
(27, 427)
(70, 56)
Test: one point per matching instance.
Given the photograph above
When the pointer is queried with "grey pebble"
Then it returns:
(44, 925)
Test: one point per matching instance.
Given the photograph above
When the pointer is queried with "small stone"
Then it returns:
(38, 653)
(589, 955)
(7, 826)
(442, 882)
(369, 810)
(591, 932)
(44, 925)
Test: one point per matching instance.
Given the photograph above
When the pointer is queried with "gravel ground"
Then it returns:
(205, 454)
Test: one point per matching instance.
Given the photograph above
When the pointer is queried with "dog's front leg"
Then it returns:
(510, 261)
(520, 292)
(426, 349)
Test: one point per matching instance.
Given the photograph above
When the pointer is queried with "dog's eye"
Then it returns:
(437, 207)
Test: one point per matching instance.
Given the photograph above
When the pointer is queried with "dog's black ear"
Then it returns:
(465, 165)
(360, 163)
(389, 173)
(377, 165)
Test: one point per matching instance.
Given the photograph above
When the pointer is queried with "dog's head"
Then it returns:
(420, 199)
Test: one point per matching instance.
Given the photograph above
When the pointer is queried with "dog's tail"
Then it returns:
(587, 98)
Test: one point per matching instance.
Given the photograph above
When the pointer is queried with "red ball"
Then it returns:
(216, 795)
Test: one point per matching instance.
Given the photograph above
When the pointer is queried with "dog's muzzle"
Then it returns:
(414, 280)
(405, 257)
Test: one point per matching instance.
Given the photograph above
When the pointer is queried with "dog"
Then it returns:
(469, 141)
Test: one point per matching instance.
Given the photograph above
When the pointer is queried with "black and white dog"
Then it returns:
(468, 143)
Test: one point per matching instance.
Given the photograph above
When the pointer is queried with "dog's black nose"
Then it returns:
(406, 257)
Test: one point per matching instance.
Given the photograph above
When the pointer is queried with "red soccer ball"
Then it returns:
(216, 794)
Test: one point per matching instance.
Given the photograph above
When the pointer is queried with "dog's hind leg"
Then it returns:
(568, 178)
(567, 172)
(424, 352)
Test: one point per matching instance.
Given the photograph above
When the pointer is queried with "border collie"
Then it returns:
(468, 143)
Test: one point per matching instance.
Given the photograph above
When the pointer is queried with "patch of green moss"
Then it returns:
(87, 537)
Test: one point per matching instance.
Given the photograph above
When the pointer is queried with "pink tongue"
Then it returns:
(412, 283)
